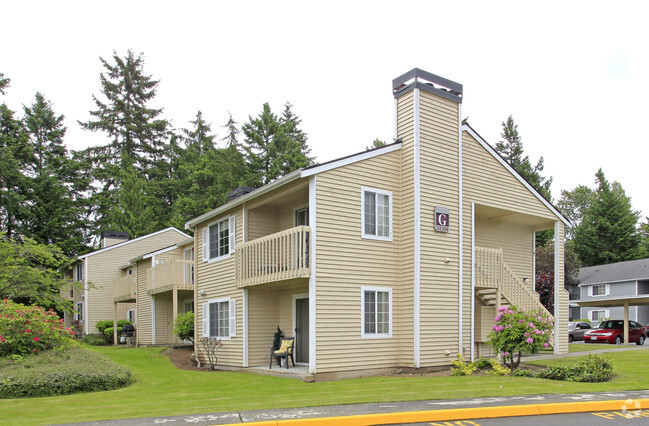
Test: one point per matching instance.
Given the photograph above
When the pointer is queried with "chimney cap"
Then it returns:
(240, 191)
(428, 82)
(115, 234)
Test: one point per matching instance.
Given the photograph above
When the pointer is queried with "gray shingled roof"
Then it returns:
(622, 271)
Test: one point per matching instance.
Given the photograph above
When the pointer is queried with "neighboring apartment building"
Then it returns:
(156, 287)
(604, 290)
(392, 258)
(100, 269)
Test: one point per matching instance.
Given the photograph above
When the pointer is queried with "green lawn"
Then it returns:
(161, 389)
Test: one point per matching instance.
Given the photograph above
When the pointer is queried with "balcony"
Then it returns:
(175, 274)
(276, 257)
(125, 289)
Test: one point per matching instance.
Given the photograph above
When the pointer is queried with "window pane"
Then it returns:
(370, 213)
(383, 215)
(214, 319)
(214, 241)
(224, 237)
(370, 312)
(224, 319)
(383, 312)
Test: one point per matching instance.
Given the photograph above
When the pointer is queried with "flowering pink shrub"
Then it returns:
(516, 332)
(29, 329)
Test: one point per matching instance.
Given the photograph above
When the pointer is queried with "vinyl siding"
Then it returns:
(104, 269)
(144, 313)
(217, 279)
(440, 317)
(561, 326)
(404, 301)
(345, 262)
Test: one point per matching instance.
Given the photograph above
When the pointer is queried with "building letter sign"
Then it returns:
(442, 219)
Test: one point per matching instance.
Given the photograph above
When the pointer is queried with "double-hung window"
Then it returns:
(219, 239)
(376, 210)
(79, 314)
(78, 271)
(599, 315)
(376, 312)
(220, 318)
(598, 290)
(130, 315)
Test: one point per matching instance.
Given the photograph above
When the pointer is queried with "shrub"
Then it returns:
(482, 363)
(105, 327)
(461, 367)
(30, 329)
(94, 340)
(209, 346)
(516, 332)
(184, 326)
(497, 368)
(60, 372)
(590, 369)
(521, 372)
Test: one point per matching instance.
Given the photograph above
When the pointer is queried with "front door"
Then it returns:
(302, 330)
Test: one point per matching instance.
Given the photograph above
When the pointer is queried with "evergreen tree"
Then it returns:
(55, 202)
(573, 204)
(608, 231)
(199, 139)
(376, 143)
(136, 131)
(274, 146)
(14, 158)
(644, 235)
(232, 135)
(511, 149)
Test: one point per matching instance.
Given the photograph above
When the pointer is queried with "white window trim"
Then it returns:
(298, 208)
(232, 227)
(390, 312)
(232, 328)
(607, 290)
(79, 307)
(134, 321)
(607, 314)
(390, 198)
(78, 267)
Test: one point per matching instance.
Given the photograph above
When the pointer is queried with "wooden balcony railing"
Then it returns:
(178, 274)
(276, 257)
(125, 288)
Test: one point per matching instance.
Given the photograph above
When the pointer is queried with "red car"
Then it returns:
(612, 332)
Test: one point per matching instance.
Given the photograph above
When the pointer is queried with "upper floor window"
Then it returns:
(598, 290)
(376, 210)
(78, 271)
(219, 239)
(78, 315)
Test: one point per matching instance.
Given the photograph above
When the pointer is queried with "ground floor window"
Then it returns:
(219, 318)
(376, 311)
(130, 315)
(188, 306)
(79, 314)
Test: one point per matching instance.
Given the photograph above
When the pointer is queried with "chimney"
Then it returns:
(109, 238)
(239, 192)
(431, 83)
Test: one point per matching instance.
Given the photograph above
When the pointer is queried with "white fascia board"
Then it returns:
(132, 241)
(612, 282)
(514, 173)
(350, 160)
(155, 253)
(238, 201)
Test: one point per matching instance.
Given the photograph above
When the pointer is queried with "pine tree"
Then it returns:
(608, 231)
(573, 204)
(511, 149)
(274, 146)
(137, 132)
(644, 235)
(132, 213)
(14, 158)
(55, 202)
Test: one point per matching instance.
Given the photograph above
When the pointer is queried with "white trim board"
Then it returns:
(350, 160)
(132, 241)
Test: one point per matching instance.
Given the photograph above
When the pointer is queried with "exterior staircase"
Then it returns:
(497, 285)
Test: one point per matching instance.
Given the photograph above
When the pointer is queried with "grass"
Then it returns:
(162, 390)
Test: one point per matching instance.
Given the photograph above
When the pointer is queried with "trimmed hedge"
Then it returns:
(60, 373)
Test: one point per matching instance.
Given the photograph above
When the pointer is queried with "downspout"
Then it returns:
(461, 231)
(472, 282)
(312, 277)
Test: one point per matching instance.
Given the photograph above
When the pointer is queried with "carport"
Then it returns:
(612, 302)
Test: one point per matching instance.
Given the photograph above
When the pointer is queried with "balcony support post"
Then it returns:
(115, 324)
(175, 312)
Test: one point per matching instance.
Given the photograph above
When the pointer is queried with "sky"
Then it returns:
(572, 74)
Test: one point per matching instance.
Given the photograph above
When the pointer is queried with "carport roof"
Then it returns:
(611, 302)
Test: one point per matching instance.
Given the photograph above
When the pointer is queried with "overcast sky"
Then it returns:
(574, 75)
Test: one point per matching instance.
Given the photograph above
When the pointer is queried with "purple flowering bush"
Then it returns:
(517, 332)
(29, 329)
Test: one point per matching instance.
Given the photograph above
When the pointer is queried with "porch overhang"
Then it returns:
(537, 223)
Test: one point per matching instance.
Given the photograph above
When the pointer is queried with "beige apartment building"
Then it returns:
(101, 270)
(397, 257)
